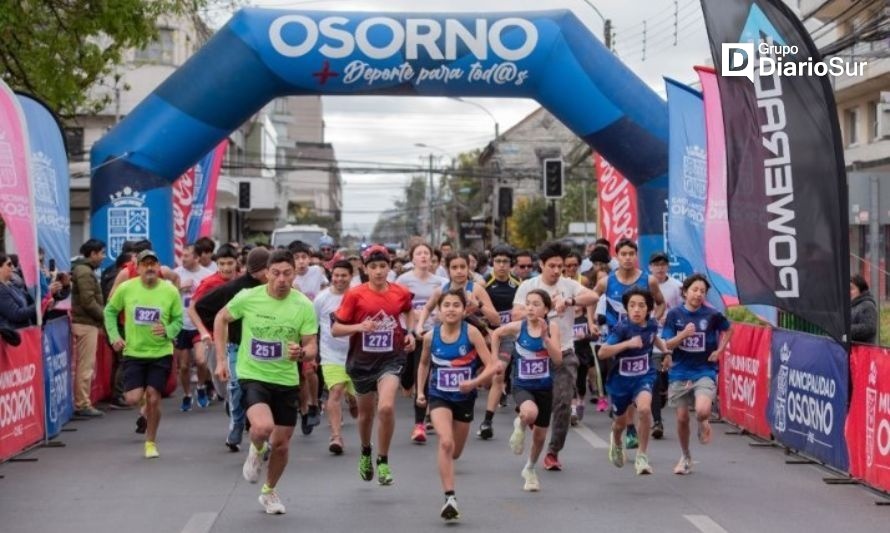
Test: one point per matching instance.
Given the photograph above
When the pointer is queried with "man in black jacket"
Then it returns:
(206, 309)
(864, 314)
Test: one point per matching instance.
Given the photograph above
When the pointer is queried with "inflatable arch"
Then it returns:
(549, 56)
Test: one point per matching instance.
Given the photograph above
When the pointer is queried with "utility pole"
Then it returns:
(607, 33)
(432, 210)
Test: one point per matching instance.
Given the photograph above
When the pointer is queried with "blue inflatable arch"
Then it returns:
(549, 56)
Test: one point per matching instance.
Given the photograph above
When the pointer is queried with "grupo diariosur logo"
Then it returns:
(769, 59)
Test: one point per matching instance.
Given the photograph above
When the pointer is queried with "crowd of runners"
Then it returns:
(289, 336)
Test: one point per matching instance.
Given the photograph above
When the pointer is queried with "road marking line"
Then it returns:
(592, 438)
(704, 523)
(200, 523)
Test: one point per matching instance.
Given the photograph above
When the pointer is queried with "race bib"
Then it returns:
(186, 302)
(506, 317)
(377, 341)
(695, 343)
(534, 368)
(418, 305)
(265, 350)
(581, 331)
(146, 316)
(448, 379)
(634, 366)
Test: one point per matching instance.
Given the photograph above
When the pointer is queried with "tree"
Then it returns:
(527, 227)
(407, 217)
(57, 50)
(571, 206)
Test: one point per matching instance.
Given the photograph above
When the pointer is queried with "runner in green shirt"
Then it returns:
(152, 319)
(279, 330)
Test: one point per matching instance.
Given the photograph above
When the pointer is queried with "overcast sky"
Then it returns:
(386, 129)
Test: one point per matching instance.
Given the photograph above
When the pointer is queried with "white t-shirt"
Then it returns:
(442, 272)
(191, 279)
(211, 267)
(332, 349)
(312, 282)
(671, 289)
(391, 276)
(421, 291)
(565, 287)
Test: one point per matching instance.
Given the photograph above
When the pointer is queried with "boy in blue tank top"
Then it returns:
(631, 374)
(697, 335)
(452, 353)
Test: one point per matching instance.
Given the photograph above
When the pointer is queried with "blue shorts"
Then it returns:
(624, 390)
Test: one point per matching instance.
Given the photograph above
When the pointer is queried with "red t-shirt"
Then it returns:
(208, 284)
(368, 351)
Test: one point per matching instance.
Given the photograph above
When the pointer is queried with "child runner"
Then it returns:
(697, 335)
(632, 375)
(453, 350)
(537, 344)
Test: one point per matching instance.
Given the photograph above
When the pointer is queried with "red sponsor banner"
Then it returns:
(100, 390)
(618, 216)
(744, 379)
(183, 199)
(21, 394)
(868, 422)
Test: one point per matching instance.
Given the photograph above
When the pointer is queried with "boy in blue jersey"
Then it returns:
(697, 335)
(632, 375)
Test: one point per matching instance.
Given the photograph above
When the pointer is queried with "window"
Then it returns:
(873, 124)
(851, 121)
(74, 143)
(159, 51)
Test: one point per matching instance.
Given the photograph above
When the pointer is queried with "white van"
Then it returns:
(311, 234)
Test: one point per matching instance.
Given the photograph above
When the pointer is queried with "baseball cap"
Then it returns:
(325, 240)
(146, 254)
(375, 250)
(657, 257)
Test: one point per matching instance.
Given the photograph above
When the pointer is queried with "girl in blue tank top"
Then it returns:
(452, 352)
(535, 356)
(478, 300)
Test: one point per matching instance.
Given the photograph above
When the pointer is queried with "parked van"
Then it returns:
(311, 234)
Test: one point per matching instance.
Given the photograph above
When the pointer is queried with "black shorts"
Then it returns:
(365, 381)
(409, 373)
(460, 411)
(140, 373)
(542, 398)
(283, 400)
(186, 339)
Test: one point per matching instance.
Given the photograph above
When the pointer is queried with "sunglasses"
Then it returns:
(523, 266)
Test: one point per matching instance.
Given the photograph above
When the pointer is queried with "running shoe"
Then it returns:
(704, 432)
(551, 462)
(203, 399)
(428, 422)
(336, 446)
(503, 400)
(141, 424)
(89, 412)
(517, 439)
(657, 431)
(151, 450)
(642, 464)
(573, 418)
(684, 466)
(253, 465)
(580, 411)
(531, 480)
(384, 474)
(631, 441)
(485, 430)
(616, 452)
(365, 467)
(305, 426)
(449, 510)
(118, 404)
(313, 416)
(186, 404)
(233, 440)
(602, 405)
(353, 405)
(418, 436)
(271, 502)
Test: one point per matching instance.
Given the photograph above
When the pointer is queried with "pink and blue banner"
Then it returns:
(16, 191)
(687, 182)
(194, 199)
(49, 174)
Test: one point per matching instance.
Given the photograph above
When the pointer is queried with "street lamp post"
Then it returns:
(432, 210)
(607, 25)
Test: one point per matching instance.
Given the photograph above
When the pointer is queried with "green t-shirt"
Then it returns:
(267, 326)
(144, 307)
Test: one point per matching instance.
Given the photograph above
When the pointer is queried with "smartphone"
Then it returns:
(52, 265)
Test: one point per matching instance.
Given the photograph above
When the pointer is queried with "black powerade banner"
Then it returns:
(786, 184)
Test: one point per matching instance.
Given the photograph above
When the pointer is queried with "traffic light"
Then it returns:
(505, 202)
(244, 195)
(553, 179)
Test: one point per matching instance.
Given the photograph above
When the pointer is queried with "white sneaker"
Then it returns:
(531, 480)
(253, 465)
(684, 466)
(272, 503)
(517, 439)
(449, 510)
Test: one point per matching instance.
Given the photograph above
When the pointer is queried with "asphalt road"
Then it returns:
(100, 482)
